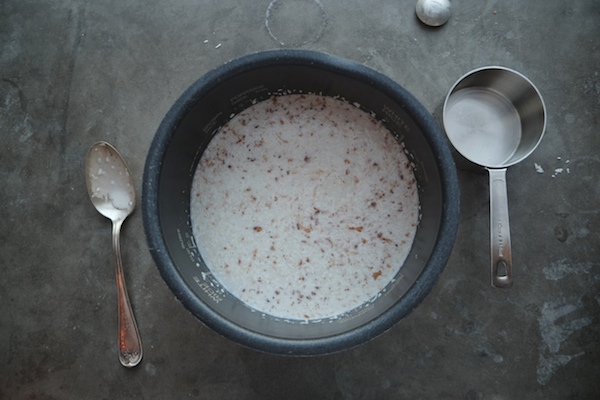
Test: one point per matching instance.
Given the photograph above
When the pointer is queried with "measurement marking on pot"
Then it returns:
(396, 121)
(180, 238)
(248, 97)
(350, 317)
(212, 294)
(212, 124)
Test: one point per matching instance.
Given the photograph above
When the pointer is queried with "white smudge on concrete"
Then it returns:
(547, 366)
(559, 269)
(568, 319)
(558, 321)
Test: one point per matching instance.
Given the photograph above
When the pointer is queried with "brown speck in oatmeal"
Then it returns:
(385, 239)
(258, 229)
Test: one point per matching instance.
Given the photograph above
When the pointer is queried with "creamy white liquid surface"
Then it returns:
(304, 206)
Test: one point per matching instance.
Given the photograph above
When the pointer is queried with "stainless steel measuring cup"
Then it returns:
(495, 117)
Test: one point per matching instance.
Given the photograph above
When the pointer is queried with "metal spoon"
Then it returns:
(111, 190)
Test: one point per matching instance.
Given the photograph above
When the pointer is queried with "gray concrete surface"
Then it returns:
(74, 72)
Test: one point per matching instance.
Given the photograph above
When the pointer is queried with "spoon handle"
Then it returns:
(130, 344)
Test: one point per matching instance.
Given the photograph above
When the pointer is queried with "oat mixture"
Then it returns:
(304, 206)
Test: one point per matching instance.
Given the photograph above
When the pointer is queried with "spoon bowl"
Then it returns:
(109, 184)
(112, 192)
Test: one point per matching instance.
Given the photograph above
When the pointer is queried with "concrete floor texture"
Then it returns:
(73, 72)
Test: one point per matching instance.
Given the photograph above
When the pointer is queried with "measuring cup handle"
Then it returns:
(501, 254)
